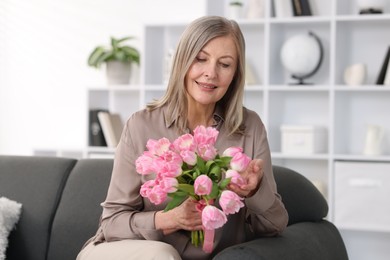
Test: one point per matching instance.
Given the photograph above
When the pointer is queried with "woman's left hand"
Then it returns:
(252, 176)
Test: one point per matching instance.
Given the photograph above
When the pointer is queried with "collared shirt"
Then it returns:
(127, 215)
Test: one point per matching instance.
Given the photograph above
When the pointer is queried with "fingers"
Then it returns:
(252, 175)
(187, 216)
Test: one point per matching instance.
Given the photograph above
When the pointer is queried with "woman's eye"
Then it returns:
(200, 59)
(225, 65)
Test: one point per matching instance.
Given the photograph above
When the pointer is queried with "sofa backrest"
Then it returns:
(79, 210)
(302, 199)
(37, 183)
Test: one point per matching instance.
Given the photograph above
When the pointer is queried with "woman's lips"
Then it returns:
(206, 85)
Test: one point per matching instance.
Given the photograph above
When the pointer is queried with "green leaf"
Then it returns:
(196, 173)
(95, 55)
(224, 183)
(105, 57)
(209, 165)
(176, 201)
(200, 163)
(116, 52)
(187, 188)
(224, 161)
(178, 193)
(214, 191)
(125, 39)
(131, 53)
(216, 170)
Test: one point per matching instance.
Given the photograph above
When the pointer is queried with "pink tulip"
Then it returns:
(158, 147)
(184, 143)
(157, 195)
(230, 202)
(236, 178)
(172, 158)
(203, 185)
(169, 185)
(203, 135)
(189, 157)
(213, 218)
(240, 162)
(207, 152)
(231, 151)
(146, 188)
(145, 164)
(170, 170)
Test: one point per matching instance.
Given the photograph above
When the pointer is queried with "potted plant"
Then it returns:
(235, 9)
(118, 59)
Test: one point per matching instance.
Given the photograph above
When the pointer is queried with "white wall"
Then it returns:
(44, 45)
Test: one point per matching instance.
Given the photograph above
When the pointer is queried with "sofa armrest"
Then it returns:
(301, 241)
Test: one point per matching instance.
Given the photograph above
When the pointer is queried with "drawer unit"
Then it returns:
(362, 195)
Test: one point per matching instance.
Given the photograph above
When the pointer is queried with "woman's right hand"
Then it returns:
(186, 216)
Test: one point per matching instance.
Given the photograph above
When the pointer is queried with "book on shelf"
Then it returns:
(283, 8)
(112, 127)
(95, 133)
(386, 81)
(301, 7)
(384, 73)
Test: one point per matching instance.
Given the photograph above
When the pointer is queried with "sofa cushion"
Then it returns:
(303, 201)
(301, 241)
(9, 216)
(79, 210)
(36, 183)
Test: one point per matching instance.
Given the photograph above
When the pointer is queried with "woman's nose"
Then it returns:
(210, 70)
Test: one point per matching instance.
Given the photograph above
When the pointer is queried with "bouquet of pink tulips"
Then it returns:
(190, 166)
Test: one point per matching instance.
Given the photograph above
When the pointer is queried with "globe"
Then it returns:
(301, 55)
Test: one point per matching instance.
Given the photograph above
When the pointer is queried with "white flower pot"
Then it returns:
(118, 73)
(235, 12)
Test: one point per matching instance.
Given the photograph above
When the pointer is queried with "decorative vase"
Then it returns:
(118, 72)
(255, 9)
(374, 140)
(355, 74)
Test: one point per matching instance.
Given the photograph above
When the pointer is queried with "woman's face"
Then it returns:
(212, 71)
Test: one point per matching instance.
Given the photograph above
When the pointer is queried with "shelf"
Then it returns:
(363, 229)
(363, 18)
(362, 88)
(277, 155)
(301, 19)
(360, 158)
(304, 88)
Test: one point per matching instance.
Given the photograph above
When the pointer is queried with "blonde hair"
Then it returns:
(193, 39)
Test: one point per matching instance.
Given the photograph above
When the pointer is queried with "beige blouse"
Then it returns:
(127, 215)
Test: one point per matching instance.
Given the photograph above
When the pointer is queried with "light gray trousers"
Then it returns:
(129, 249)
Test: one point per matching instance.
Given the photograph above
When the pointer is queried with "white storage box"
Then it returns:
(362, 195)
(303, 139)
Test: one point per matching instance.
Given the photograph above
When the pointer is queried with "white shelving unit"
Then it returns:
(345, 111)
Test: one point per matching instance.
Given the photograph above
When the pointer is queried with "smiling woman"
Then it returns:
(205, 89)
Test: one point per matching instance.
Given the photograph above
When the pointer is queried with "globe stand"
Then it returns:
(300, 81)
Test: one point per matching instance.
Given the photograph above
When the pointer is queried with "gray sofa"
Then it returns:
(61, 198)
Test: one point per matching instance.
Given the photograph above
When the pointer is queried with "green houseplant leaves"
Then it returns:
(116, 52)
